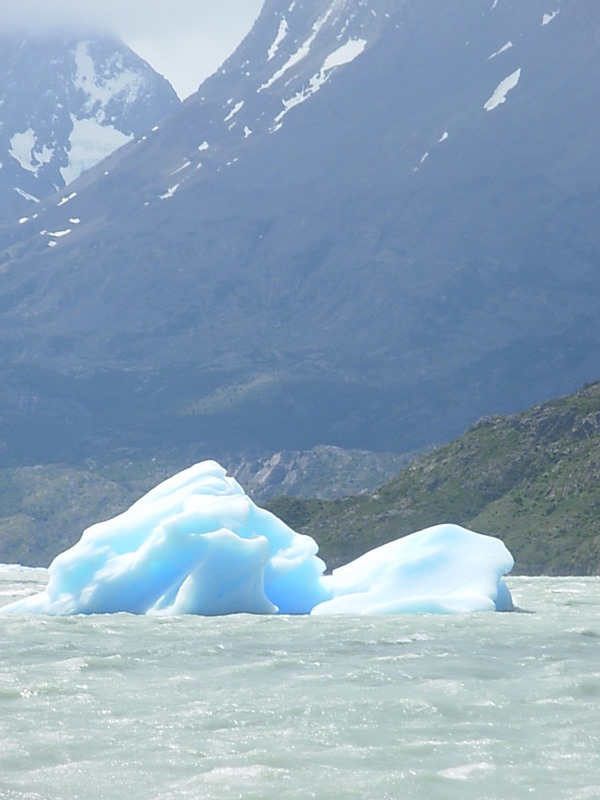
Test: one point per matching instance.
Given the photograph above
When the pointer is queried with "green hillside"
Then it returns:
(532, 479)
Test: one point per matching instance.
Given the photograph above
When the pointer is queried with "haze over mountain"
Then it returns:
(377, 222)
(67, 101)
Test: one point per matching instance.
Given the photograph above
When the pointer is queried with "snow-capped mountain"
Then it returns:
(374, 224)
(66, 102)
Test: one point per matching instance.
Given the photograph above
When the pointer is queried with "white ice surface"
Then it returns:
(196, 544)
(90, 142)
(549, 17)
(281, 34)
(300, 53)
(23, 149)
(503, 49)
(503, 88)
(342, 55)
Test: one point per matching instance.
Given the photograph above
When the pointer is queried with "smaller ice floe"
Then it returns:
(247, 132)
(503, 88)
(445, 569)
(170, 192)
(281, 34)
(51, 243)
(197, 544)
(74, 220)
(424, 158)
(547, 18)
(443, 137)
(204, 146)
(23, 220)
(503, 49)
(155, 128)
(67, 199)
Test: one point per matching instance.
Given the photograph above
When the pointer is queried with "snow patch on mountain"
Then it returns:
(23, 150)
(26, 195)
(116, 80)
(503, 88)
(549, 17)
(281, 34)
(503, 49)
(67, 103)
(300, 53)
(343, 55)
(237, 107)
(89, 143)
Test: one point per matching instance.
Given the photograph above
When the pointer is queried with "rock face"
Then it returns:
(66, 102)
(376, 223)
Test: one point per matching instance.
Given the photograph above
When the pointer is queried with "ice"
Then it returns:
(23, 150)
(547, 18)
(300, 53)
(89, 142)
(281, 34)
(343, 55)
(237, 107)
(67, 199)
(170, 192)
(197, 544)
(443, 569)
(503, 49)
(503, 88)
(26, 195)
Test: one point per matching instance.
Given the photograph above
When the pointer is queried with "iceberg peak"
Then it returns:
(197, 544)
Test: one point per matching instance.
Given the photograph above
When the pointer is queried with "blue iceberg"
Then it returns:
(197, 544)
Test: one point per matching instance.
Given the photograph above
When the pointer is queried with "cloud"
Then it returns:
(40, 16)
(185, 40)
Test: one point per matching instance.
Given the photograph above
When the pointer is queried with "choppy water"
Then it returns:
(502, 706)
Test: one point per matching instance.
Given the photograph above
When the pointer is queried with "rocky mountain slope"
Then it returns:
(376, 223)
(66, 102)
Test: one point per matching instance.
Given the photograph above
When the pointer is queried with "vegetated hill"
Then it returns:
(45, 508)
(377, 222)
(532, 479)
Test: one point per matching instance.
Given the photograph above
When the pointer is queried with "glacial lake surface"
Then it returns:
(116, 707)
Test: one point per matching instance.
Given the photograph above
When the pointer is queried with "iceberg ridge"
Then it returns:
(197, 544)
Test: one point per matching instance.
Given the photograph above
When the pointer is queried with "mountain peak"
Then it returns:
(67, 102)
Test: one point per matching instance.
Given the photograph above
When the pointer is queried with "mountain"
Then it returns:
(374, 224)
(530, 478)
(66, 102)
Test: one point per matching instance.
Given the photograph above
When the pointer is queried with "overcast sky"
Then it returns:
(185, 40)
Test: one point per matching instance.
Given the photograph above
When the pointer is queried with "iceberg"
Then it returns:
(197, 544)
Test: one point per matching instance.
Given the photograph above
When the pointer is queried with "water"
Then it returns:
(502, 706)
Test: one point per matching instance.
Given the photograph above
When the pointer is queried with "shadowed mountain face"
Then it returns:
(374, 224)
(66, 102)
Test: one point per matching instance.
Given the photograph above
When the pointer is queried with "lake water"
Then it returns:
(502, 706)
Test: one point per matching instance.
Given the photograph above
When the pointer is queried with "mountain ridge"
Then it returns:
(67, 101)
(406, 253)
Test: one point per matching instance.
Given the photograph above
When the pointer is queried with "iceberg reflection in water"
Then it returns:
(197, 544)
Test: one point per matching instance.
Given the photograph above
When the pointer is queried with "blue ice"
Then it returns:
(197, 544)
